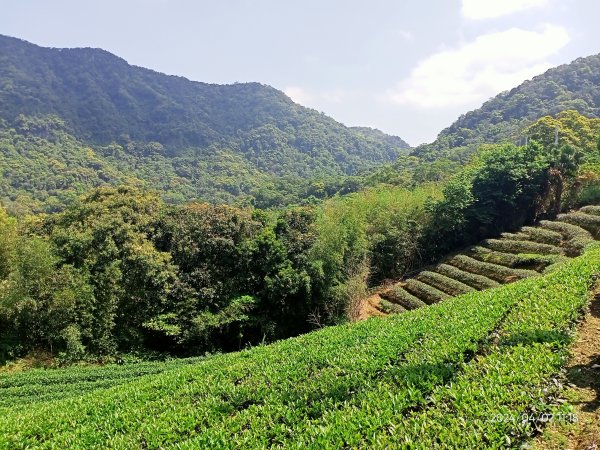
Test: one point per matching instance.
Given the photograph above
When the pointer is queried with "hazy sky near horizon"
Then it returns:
(409, 67)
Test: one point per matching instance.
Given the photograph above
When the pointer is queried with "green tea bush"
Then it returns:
(476, 281)
(588, 222)
(446, 284)
(591, 209)
(390, 308)
(515, 246)
(576, 238)
(425, 292)
(541, 235)
(494, 271)
(398, 294)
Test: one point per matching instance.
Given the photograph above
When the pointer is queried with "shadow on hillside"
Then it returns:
(587, 376)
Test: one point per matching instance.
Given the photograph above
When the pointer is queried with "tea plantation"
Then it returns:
(474, 371)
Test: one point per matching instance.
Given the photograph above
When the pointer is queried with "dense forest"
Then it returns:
(120, 270)
(194, 140)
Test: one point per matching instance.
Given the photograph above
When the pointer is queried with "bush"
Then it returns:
(493, 271)
(495, 257)
(588, 222)
(446, 284)
(576, 238)
(541, 235)
(515, 246)
(399, 296)
(476, 281)
(425, 292)
(589, 194)
(390, 308)
(518, 261)
(591, 209)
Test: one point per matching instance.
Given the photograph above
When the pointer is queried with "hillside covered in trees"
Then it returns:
(574, 86)
(192, 139)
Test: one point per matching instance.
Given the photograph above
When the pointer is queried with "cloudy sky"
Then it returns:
(407, 67)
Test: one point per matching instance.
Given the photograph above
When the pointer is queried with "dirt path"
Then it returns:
(583, 374)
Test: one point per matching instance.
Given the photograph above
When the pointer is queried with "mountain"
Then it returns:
(573, 86)
(196, 140)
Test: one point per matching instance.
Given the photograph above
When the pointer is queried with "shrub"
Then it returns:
(476, 281)
(491, 256)
(576, 237)
(446, 284)
(541, 235)
(493, 271)
(588, 222)
(515, 246)
(399, 295)
(425, 292)
(390, 308)
(591, 209)
(519, 261)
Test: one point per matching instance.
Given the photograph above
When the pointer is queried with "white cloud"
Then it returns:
(477, 70)
(312, 98)
(489, 9)
(299, 95)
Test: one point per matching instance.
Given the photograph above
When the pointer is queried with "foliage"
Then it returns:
(23, 389)
(349, 385)
(503, 188)
(124, 123)
(571, 86)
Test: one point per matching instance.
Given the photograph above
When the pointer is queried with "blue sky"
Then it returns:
(409, 68)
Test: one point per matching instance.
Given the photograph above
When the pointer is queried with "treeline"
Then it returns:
(121, 271)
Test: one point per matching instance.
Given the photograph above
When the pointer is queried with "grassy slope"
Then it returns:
(415, 379)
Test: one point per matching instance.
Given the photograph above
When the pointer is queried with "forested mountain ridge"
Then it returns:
(103, 99)
(574, 86)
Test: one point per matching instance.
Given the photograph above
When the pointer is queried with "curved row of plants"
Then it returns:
(514, 256)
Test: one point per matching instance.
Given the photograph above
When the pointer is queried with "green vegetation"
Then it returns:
(591, 209)
(476, 281)
(446, 284)
(538, 234)
(505, 260)
(296, 235)
(399, 296)
(120, 270)
(377, 384)
(425, 292)
(532, 261)
(390, 308)
(73, 119)
(576, 237)
(588, 222)
(521, 246)
(24, 389)
(503, 118)
(493, 271)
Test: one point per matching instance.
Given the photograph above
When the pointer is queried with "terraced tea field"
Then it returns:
(512, 256)
(24, 389)
(479, 369)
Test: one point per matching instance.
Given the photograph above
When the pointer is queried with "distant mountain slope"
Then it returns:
(245, 127)
(570, 86)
